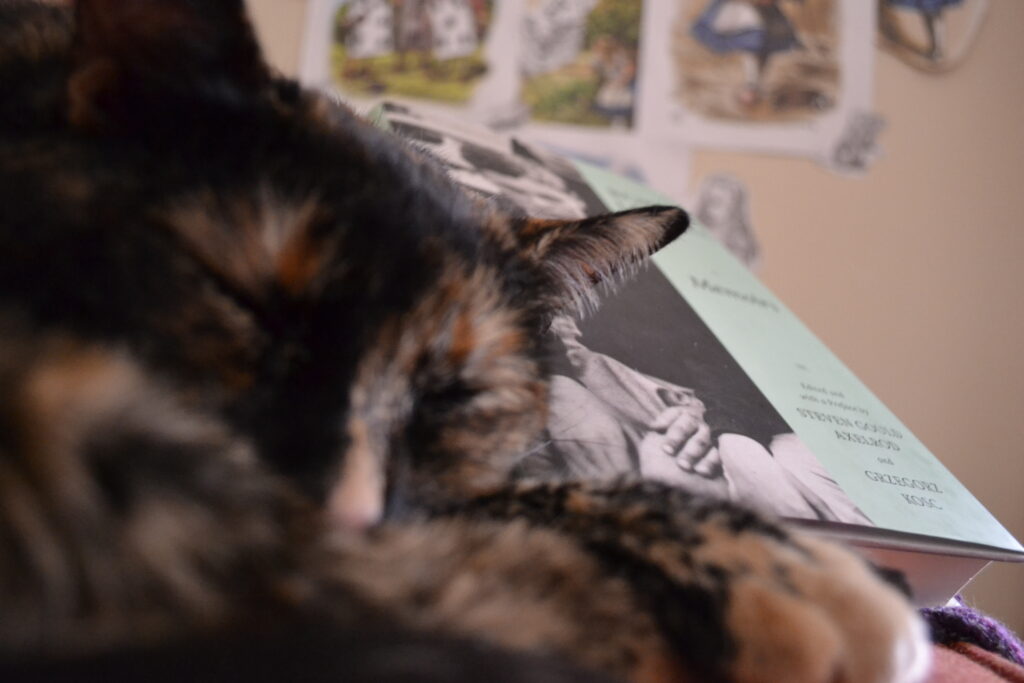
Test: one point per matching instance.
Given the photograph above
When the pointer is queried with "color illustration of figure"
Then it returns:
(615, 66)
(931, 14)
(756, 29)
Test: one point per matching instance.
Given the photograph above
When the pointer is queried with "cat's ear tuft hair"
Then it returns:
(581, 255)
(126, 49)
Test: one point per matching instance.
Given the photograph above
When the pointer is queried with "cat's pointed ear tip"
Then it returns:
(676, 220)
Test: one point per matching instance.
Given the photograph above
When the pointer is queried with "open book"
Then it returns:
(697, 339)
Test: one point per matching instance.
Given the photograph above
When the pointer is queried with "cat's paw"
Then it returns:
(808, 611)
(735, 596)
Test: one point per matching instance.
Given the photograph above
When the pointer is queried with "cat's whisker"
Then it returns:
(536, 449)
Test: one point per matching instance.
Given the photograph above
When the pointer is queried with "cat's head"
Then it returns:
(372, 330)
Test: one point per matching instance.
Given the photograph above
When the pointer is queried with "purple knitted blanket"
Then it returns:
(960, 623)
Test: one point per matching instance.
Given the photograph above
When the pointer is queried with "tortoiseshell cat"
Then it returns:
(237, 323)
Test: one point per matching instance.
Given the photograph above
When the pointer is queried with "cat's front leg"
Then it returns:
(737, 597)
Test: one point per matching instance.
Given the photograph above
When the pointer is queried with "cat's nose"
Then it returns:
(352, 517)
(353, 509)
(356, 501)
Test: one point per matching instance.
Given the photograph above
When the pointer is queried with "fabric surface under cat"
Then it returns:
(238, 325)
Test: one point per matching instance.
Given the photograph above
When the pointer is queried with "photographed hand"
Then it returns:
(679, 433)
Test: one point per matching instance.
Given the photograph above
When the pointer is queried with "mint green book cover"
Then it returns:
(884, 469)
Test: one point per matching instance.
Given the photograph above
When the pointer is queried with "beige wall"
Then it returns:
(911, 274)
(280, 24)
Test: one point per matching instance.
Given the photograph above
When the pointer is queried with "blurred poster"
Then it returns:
(425, 49)
(626, 84)
(758, 75)
(555, 61)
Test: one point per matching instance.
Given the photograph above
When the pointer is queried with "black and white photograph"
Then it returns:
(667, 401)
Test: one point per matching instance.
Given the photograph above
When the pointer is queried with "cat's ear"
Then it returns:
(580, 255)
(128, 50)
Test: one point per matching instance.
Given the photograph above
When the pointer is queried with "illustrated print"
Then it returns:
(580, 60)
(759, 60)
(428, 49)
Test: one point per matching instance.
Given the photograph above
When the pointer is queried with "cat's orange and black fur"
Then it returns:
(237, 322)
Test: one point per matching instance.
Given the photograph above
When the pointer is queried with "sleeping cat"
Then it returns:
(263, 366)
